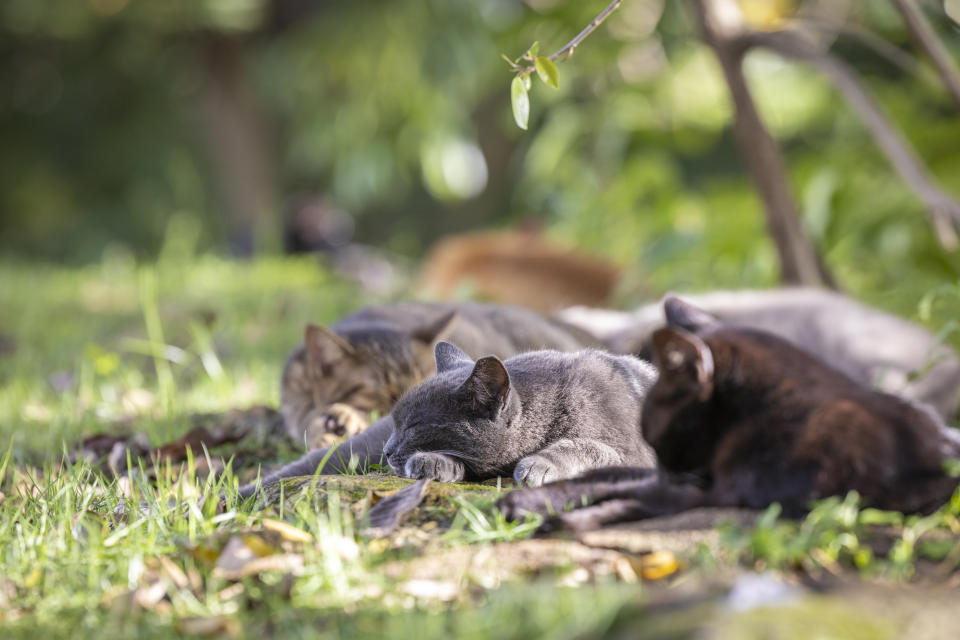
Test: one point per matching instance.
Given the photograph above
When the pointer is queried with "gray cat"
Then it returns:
(540, 416)
(874, 348)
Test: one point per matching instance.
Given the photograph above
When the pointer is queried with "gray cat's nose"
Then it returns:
(395, 466)
(389, 446)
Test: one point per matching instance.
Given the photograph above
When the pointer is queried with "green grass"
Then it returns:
(117, 347)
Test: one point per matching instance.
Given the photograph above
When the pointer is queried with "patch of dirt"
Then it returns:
(680, 533)
(454, 571)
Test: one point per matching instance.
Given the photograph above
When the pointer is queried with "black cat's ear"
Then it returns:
(436, 330)
(685, 315)
(684, 361)
(449, 356)
(324, 347)
(488, 387)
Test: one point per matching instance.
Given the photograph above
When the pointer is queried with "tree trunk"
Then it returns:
(799, 262)
(235, 137)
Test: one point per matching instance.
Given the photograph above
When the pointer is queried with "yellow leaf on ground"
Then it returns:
(287, 531)
(658, 564)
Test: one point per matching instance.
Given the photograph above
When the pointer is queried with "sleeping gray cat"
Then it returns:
(540, 416)
(874, 348)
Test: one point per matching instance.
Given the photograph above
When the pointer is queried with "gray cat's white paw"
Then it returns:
(534, 471)
(435, 466)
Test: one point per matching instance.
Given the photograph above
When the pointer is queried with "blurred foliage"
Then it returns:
(399, 112)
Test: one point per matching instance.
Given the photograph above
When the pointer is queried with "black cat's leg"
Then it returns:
(564, 458)
(566, 494)
(652, 499)
(923, 494)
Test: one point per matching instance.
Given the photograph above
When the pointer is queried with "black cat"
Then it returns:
(742, 418)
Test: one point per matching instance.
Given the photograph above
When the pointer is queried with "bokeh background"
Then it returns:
(164, 166)
(185, 183)
(132, 128)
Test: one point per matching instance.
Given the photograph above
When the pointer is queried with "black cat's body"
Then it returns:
(742, 418)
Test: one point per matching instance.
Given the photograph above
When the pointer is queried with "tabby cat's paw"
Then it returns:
(337, 421)
(435, 466)
(535, 470)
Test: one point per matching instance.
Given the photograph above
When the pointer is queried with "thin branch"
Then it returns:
(569, 48)
(943, 208)
(799, 261)
(880, 46)
(927, 39)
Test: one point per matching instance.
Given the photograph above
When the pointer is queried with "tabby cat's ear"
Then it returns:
(324, 347)
(685, 315)
(684, 361)
(449, 356)
(438, 329)
(488, 387)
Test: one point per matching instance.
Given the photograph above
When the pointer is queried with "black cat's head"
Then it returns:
(676, 414)
(464, 411)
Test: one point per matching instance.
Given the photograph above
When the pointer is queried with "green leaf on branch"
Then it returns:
(520, 101)
(547, 71)
(534, 49)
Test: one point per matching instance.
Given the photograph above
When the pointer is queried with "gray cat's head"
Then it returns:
(464, 411)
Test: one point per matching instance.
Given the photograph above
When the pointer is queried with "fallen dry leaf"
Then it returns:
(175, 573)
(281, 562)
(258, 545)
(150, 594)
(387, 514)
(230, 592)
(287, 531)
(658, 564)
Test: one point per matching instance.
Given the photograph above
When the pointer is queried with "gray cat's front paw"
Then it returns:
(435, 466)
(535, 470)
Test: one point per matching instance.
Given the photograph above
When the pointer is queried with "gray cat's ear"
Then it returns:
(438, 329)
(684, 361)
(685, 315)
(449, 356)
(487, 388)
(324, 347)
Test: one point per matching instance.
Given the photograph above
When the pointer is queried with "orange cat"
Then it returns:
(516, 268)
